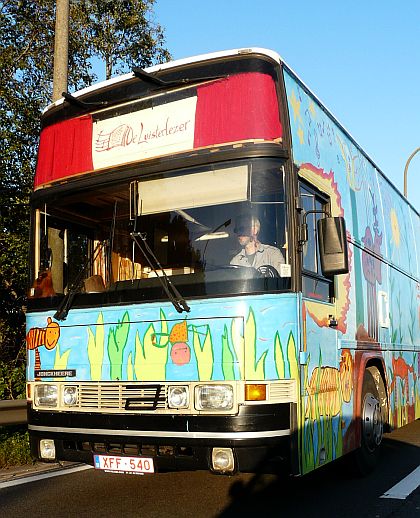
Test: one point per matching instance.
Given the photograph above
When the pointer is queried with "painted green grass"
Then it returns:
(117, 340)
(151, 357)
(321, 426)
(95, 347)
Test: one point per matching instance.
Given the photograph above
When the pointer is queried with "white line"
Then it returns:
(405, 487)
(34, 478)
(168, 434)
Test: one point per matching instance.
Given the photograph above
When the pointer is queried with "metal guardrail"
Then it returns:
(13, 411)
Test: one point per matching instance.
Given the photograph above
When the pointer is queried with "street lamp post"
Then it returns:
(406, 169)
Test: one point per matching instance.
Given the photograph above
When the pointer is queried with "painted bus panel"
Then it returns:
(225, 339)
(377, 304)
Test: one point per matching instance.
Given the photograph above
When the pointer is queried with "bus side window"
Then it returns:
(314, 284)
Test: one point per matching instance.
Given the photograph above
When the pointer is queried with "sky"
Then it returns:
(360, 58)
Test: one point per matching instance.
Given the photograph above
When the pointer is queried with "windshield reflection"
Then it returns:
(215, 235)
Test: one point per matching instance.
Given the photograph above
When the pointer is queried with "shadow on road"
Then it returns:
(330, 491)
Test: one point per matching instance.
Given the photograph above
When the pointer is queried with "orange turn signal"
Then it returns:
(255, 392)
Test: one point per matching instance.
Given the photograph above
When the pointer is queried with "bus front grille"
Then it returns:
(117, 396)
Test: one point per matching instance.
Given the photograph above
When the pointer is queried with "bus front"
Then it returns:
(162, 323)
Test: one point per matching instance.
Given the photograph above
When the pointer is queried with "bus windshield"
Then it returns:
(213, 230)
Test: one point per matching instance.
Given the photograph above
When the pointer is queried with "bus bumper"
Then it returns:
(259, 438)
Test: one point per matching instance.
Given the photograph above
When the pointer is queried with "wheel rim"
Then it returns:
(372, 422)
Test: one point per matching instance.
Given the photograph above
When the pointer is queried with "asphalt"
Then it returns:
(410, 507)
(29, 470)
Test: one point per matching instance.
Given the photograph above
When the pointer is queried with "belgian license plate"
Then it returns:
(117, 464)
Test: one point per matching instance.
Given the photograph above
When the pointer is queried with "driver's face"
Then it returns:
(247, 235)
(244, 240)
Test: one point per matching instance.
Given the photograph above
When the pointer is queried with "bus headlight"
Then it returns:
(47, 449)
(178, 397)
(214, 397)
(45, 395)
(70, 395)
(222, 460)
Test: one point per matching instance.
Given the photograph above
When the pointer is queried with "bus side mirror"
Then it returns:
(332, 244)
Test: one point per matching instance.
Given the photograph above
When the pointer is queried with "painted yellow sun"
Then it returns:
(295, 104)
(395, 228)
(301, 135)
(312, 109)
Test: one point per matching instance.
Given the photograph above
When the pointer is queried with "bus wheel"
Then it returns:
(371, 422)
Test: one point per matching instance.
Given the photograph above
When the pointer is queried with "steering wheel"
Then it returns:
(267, 270)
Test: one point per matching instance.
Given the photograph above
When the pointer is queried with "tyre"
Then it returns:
(371, 423)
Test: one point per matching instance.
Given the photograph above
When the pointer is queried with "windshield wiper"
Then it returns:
(151, 78)
(65, 305)
(172, 293)
(75, 101)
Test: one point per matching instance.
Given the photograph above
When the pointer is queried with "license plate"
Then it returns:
(116, 464)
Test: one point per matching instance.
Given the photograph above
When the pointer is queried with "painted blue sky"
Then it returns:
(361, 59)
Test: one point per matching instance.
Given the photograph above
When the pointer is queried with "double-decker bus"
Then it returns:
(221, 278)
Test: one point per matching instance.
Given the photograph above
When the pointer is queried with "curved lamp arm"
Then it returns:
(406, 169)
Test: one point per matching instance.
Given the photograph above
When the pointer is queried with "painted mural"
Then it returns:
(378, 303)
(153, 344)
(42, 336)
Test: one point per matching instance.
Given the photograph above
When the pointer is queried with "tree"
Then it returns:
(123, 33)
(120, 32)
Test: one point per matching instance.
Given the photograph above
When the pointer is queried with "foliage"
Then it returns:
(12, 379)
(14, 447)
(122, 33)
(117, 32)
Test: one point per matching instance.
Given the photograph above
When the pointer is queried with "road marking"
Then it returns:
(41, 476)
(405, 487)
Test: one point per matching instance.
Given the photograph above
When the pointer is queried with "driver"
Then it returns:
(254, 253)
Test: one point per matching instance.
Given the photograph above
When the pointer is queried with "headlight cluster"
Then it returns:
(211, 397)
(47, 395)
(206, 397)
(70, 395)
(214, 397)
(178, 396)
